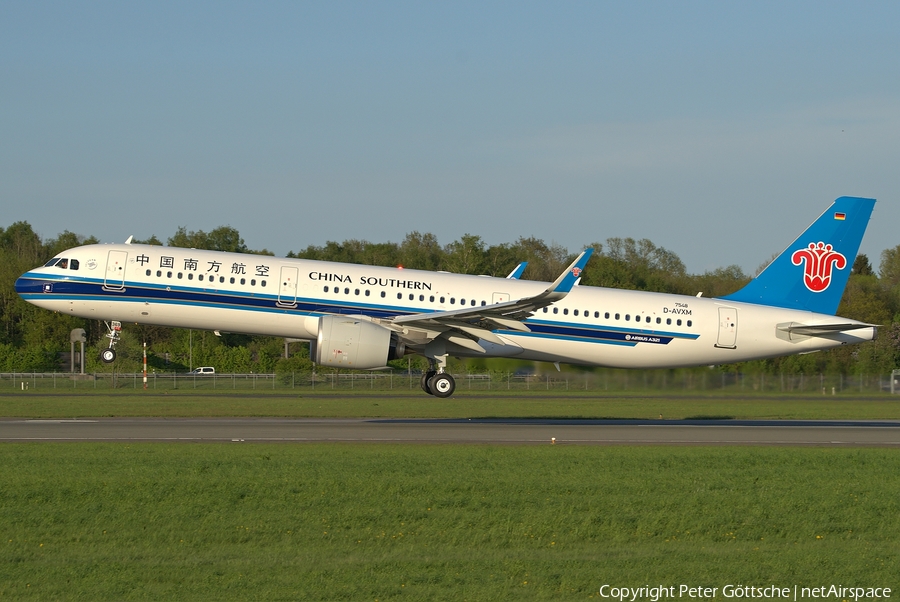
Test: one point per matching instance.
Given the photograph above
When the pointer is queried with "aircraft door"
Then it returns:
(727, 328)
(287, 286)
(500, 298)
(114, 278)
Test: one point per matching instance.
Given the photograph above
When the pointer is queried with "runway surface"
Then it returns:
(459, 431)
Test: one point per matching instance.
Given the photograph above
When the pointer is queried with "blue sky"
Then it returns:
(716, 130)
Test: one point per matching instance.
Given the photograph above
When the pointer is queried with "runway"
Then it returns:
(458, 431)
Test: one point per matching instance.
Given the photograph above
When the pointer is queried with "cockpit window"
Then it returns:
(63, 263)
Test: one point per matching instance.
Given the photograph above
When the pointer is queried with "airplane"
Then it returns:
(361, 317)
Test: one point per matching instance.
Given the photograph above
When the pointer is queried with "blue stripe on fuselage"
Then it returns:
(33, 286)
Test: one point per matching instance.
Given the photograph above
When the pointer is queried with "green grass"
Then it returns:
(189, 403)
(401, 522)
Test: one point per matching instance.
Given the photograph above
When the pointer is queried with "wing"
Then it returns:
(465, 327)
(517, 272)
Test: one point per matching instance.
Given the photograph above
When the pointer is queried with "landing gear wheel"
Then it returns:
(442, 385)
(427, 376)
(114, 329)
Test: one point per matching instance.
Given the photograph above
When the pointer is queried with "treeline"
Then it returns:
(32, 339)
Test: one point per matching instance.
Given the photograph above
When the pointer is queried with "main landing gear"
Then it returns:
(108, 355)
(437, 382)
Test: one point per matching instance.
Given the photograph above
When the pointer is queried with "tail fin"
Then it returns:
(812, 272)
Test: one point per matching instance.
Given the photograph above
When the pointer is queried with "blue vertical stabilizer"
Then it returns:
(812, 272)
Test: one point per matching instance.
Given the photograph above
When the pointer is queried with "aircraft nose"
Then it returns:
(26, 286)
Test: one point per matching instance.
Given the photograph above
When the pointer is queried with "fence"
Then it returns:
(615, 381)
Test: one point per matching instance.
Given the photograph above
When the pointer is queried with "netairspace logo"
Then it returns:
(794, 593)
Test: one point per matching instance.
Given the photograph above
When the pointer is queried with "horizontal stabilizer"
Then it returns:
(821, 329)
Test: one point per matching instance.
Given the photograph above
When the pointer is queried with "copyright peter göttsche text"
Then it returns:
(793, 593)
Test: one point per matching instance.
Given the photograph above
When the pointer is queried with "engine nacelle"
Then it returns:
(348, 342)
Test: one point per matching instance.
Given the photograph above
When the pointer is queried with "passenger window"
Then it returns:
(606, 316)
(678, 323)
(148, 272)
(356, 292)
(168, 274)
(452, 300)
(231, 280)
(263, 283)
(556, 310)
(382, 294)
(566, 311)
(627, 317)
(658, 320)
(617, 316)
(668, 321)
(180, 275)
(190, 276)
(200, 277)
(690, 323)
(253, 282)
(575, 312)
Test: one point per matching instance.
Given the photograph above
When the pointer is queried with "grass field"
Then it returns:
(415, 404)
(438, 522)
(400, 522)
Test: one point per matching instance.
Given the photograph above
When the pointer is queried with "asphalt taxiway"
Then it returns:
(459, 431)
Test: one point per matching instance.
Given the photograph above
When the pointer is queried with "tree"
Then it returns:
(420, 252)
(223, 238)
(861, 266)
(465, 256)
(545, 262)
(638, 264)
(889, 272)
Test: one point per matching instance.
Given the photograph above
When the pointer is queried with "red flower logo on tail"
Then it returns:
(819, 259)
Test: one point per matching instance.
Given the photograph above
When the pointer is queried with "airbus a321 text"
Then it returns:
(361, 317)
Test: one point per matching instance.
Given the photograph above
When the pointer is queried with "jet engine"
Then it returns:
(348, 342)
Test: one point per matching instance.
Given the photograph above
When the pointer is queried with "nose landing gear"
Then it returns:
(108, 355)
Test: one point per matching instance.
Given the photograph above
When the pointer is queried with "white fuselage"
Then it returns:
(258, 294)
